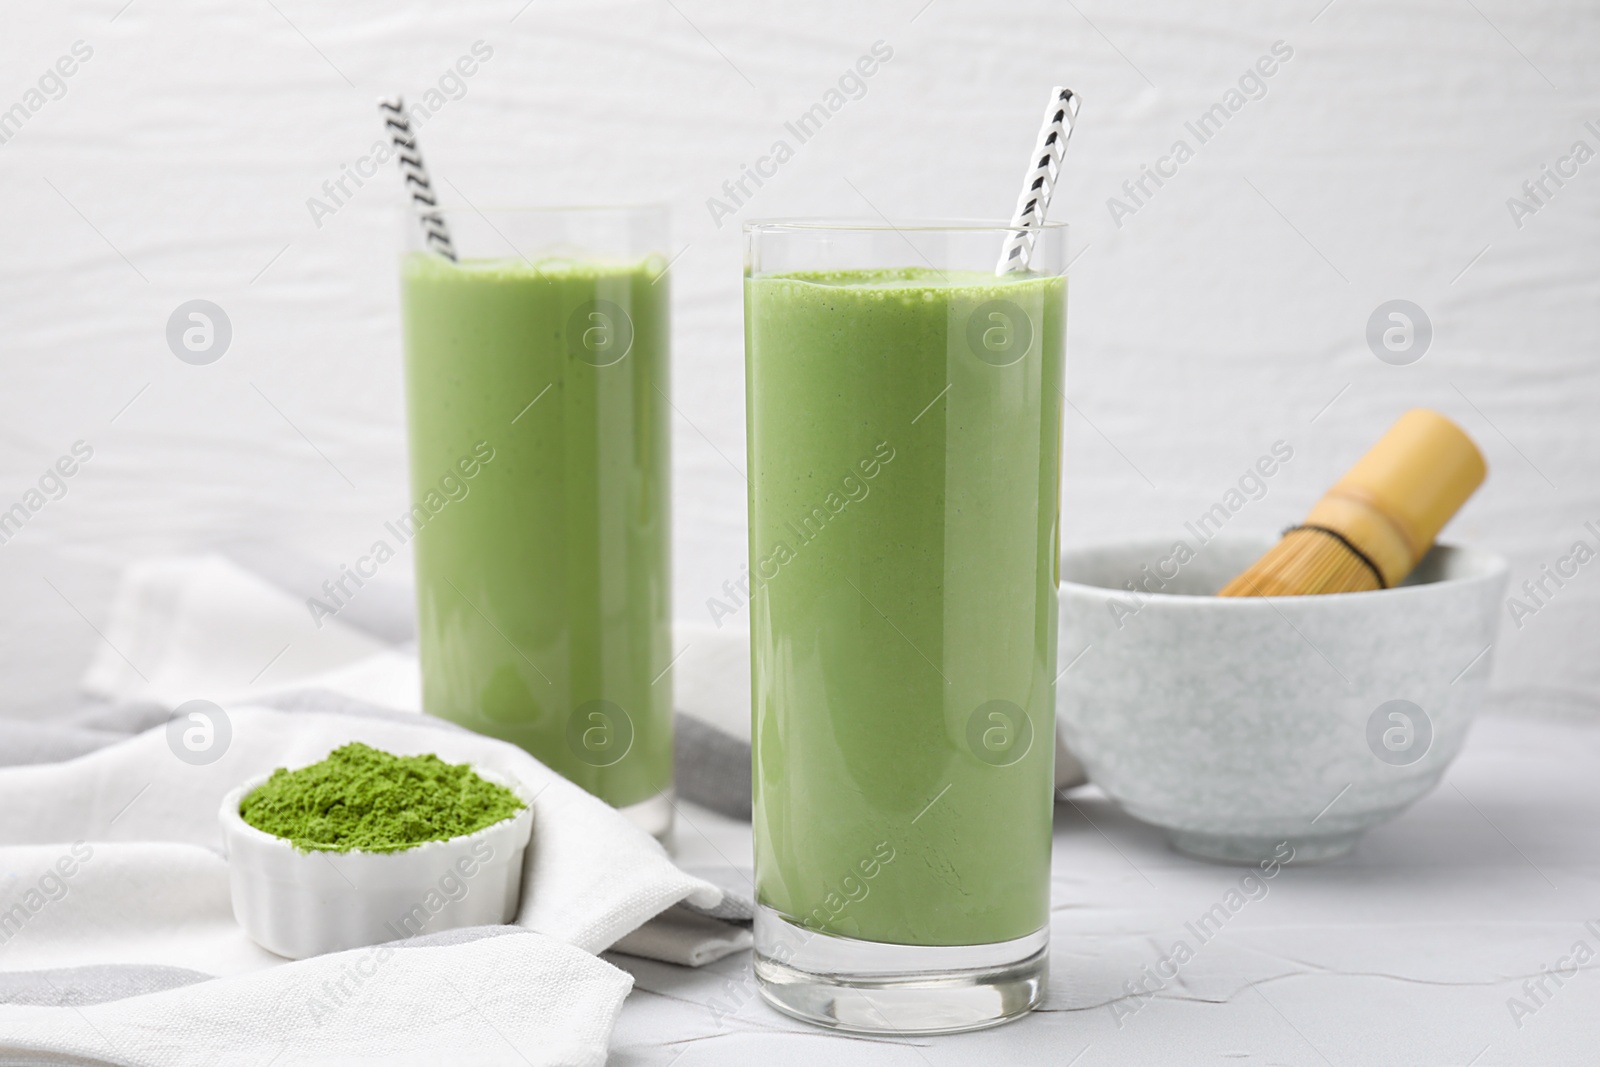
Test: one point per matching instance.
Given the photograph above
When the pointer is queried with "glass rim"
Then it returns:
(802, 224)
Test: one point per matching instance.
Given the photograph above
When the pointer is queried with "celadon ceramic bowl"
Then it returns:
(1239, 724)
(301, 904)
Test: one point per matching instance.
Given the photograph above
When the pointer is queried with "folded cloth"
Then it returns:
(490, 996)
(203, 627)
(712, 767)
(97, 723)
(114, 861)
(591, 875)
(26, 741)
(684, 936)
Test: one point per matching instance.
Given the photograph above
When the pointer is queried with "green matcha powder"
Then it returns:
(363, 798)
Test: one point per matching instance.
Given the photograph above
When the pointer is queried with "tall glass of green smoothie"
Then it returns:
(904, 431)
(537, 384)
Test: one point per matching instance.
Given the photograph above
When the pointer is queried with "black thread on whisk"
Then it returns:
(1347, 543)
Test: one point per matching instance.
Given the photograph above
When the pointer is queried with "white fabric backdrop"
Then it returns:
(1227, 312)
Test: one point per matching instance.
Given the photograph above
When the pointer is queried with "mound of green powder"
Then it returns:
(364, 798)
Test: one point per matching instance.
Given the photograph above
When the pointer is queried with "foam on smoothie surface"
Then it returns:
(553, 268)
(921, 283)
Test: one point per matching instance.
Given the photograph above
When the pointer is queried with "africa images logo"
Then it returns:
(199, 332)
(999, 333)
(1399, 732)
(599, 332)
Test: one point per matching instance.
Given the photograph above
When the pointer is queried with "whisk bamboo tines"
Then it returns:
(1379, 520)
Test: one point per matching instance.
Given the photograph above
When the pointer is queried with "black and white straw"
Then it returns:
(409, 156)
(1043, 170)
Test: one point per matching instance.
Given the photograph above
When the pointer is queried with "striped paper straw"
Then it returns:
(409, 156)
(1043, 170)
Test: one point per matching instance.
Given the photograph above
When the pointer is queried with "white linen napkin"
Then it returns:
(202, 626)
(485, 1000)
(113, 860)
(591, 875)
(182, 628)
(139, 939)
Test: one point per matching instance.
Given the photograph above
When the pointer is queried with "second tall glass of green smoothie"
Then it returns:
(904, 431)
(537, 384)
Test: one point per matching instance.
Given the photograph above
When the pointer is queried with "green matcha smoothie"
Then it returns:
(539, 470)
(904, 443)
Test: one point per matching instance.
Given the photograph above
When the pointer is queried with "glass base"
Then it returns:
(874, 988)
(653, 816)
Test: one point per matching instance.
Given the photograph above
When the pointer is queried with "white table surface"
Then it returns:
(1406, 951)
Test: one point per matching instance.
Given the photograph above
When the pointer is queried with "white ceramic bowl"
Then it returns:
(301, 904)
(1242, 724)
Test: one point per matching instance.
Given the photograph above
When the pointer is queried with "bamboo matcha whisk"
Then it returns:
(1379, 520)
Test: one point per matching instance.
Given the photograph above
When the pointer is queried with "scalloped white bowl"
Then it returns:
(299, 904)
